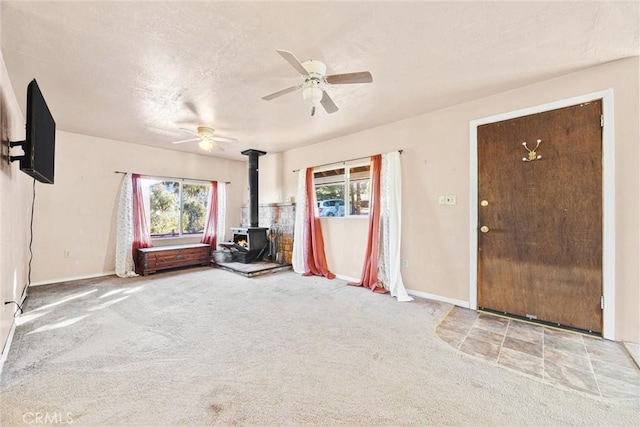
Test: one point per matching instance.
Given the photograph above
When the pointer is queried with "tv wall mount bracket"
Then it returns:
(16, 144)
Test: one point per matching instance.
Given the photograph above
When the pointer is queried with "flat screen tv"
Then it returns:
(40, 144)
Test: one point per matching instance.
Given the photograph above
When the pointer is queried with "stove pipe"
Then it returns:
(253, 184)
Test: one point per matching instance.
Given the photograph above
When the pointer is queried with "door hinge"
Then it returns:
(601, 302)
(601, 120)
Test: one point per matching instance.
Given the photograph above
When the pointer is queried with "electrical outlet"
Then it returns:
(447, 200)
(67, 253)
(405, 263)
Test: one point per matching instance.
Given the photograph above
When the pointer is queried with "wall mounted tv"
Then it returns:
(39, 146)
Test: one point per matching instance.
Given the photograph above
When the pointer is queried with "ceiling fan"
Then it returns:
(206, 136)
(315, 81)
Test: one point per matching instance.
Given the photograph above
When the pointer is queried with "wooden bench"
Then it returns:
(150, 260)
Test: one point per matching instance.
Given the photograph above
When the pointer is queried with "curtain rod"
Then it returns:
(173, 177)
(342, 161)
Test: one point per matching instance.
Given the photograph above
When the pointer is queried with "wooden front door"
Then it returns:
(540, 216)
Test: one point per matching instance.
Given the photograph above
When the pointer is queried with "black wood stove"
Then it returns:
(250, 243)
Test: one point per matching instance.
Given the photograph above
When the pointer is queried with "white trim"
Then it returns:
(73, 278)
(419, 294)
(347, 278)
(608, 188)
(608, 218)
(362, 161)
(473, 215)
(7, 343)
(448, 300)
(347, 217)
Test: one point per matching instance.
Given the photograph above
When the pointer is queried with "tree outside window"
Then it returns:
(359, 190)
(194, 208)
(177, 208)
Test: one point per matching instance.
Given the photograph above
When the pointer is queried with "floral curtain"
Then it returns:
(301, 220)
(124, 229)
(222, 209)
(391, 226)
(381, 269)
(211, 222)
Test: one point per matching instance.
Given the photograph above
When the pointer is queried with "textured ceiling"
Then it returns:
(137, 71)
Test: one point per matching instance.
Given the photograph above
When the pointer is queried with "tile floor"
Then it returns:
(591, 365)
(256, 268)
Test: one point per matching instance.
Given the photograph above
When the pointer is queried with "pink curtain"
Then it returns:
(211, 224)
(369, 275)
(141, 237)
(315, 261)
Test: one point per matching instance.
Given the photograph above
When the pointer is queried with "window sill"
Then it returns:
(349, 217)
(175, 240)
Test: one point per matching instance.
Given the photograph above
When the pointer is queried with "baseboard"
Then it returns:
(7, 345)
(72, 278)
(9, 340)
(347, 278)
(459, 303)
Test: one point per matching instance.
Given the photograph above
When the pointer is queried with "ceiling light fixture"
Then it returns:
(312, 94)
(205, 144)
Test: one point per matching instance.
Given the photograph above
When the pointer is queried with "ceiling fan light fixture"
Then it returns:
(205, 144)
(205, 132)
(312, 94)
(314, 78)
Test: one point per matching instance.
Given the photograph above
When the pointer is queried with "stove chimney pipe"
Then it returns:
(253, 184)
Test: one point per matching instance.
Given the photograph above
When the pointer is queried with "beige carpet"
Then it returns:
(208, 347)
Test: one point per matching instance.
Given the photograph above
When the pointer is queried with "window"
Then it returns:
(343, 190)
(177, 208)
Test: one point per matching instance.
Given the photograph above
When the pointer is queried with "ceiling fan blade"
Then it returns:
(327, 103)
(340, 79)
(224, 139)
(186, 140)
(190, 131)
(280, 93)
(291, 59)
(186, 125)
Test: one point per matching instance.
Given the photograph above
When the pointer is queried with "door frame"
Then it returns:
(608, 197)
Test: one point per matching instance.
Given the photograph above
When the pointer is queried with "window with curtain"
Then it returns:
(177, 208)
(343, 190)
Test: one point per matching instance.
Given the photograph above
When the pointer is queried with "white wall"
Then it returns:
(270, 178)
(435, 238)
(77, 213)
(15, 197)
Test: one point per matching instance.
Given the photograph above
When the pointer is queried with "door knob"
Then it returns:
(484, 229)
